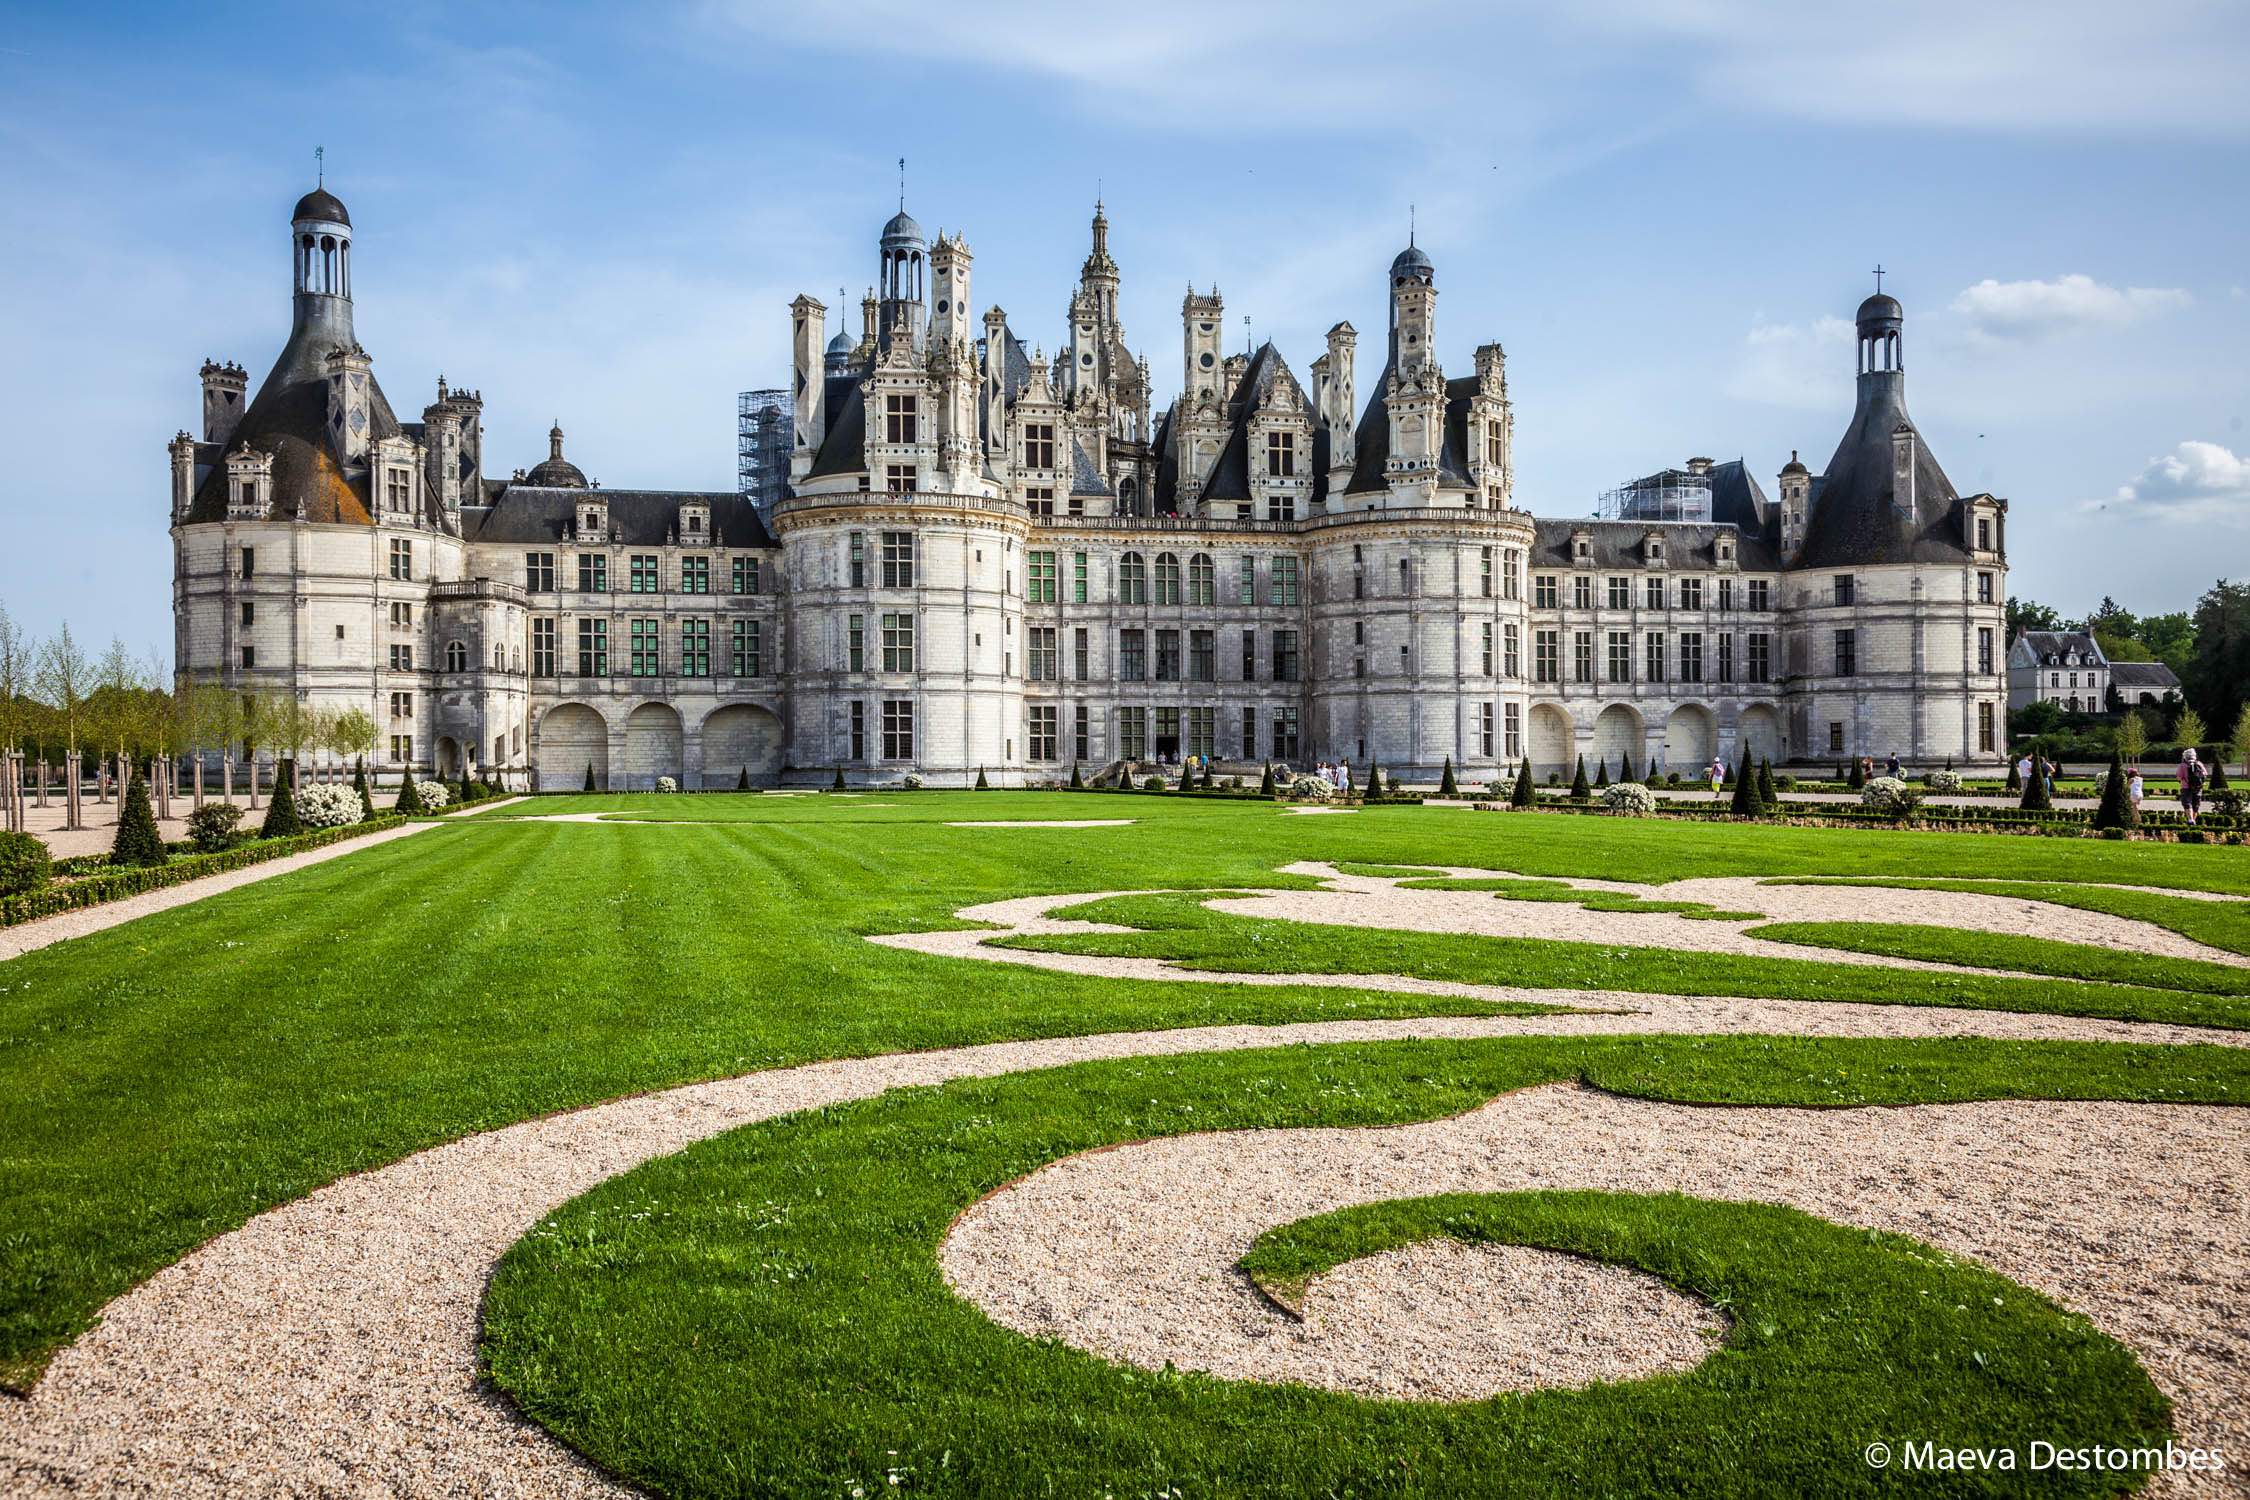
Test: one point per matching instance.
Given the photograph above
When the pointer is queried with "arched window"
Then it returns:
(1202, 580)
(456, 656)
(1128, 497)
(1132, 579)
(1167, 578)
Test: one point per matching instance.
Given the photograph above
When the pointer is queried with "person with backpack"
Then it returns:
(2192, 776)
(1891, 766)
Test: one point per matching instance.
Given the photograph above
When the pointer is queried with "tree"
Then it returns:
(1766, 797)
(2217, 679)
(2169, 638)
(352, 733)
(2240, 739)
(138, 842)
(1522, 795)
(2132, 736)
(1077, 782)
(983, 783)
(1445, 786)
(410, 793)
(1857, 778)
(17, 667)
(2035, 785)
(2188, 729)
(2024, 615)
(589, 776)
(1265, 782)
(366, 798)
(1601, 774)
(1579, 791)
(2015, 773)
(255, 729)
(2117, 809)
(1374, 787)
(1625, 766)
(742, 780)
(65, 677)
(838, 784)
(281, 812)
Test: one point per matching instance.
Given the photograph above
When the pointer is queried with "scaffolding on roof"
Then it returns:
(1674, 495)
(762, 420)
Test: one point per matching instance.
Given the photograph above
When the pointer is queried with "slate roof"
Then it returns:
(2053, 647)
(1371, 442)
(2143, 676)
(1853, 522)
(1230, 476)
(289, 419)
(1617, 544)
(321, 204)
(1085, 479)
(843, 448)
(640, 518)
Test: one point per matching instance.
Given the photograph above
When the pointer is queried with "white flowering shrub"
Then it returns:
(326, 805)
(913, 782)
(1312, 789)
(434, 794)
(1888, 794)
(666, 784)
(1629, 799)
(1943, 781)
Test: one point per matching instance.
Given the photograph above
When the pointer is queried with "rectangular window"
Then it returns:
(1835, 734)
(593, 648)
(1691, 656)
(402, 705)
(647, 574)
(745, 576)
(1039, 447)
(1761, 595)
(898, 729)
(1132, 656)
(1285, 656)
(1984, 648)
(1620, 656)
(402, 558)
(1078, 653)
(899, 478)
(1081, 733)
(858, 730)
(898, 643)
(1249, 734)
(398, 489)
(1511, 574)
(402, 749)
(1132, 733)
(1168, 578)
(1653, 665)
(539, 572)
(1582, 592)
(593, 573)
(1621, 593)
(1167, 745)
(1167, 656)
(1984, 588)
(1285, 732)
(1078, 578)
(1039, 499)
(856, 551)
(1040, 731)
(1040, 581)
(1984, 726)
(745, 649)
(1546, 592)
(1484, 572)
(1847, 653)
(1844, 588)
(1202, 732)
(1281, 455)
(402, 658)
(695, 648)
(1203, 656)
(1041, 653)
(1249, 656)
(249, 612)
(648, 648)
(1248, 594)
(1484, 729)
(1515, 730)
(1726, 656)
(249, 562)
(1691, 593)
(900, 410)
(1654, 595)
(898, 559)
(1485, 635)
(1582, 656)
(1758, 663)
(695, 575)
(542, 647)
(1726, 594)
(249, 656)
(855, 643)
(1546, 655)
(1512, 654)
(1285, 581)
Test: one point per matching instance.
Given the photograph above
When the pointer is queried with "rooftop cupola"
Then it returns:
(1882, 324)
(905, 256)
(320, 250)
(557, 472)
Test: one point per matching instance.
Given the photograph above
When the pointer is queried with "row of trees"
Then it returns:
(63, 706)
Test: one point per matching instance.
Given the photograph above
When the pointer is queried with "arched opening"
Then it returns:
(1758, 735)
(1618, 731)
(448, 757)
(653, 746)
(569, 738)
(741, 737)
(1552, 742)
(1691, 739)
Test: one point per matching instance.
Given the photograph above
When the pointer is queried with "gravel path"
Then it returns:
(1602, 1012)
(2133, 1214)
(1050, 823)
(63, 926)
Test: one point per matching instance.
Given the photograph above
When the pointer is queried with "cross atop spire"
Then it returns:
(902, 184)
(320, 166)
(1878, 278)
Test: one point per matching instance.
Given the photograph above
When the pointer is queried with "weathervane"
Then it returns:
(1409, 226)
(902, 184)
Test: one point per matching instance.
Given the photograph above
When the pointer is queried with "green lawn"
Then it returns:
(162, 1081)
(698, 1347)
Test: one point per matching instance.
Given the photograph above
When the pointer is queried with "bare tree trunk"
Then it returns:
(42, 781)
(253, 759)
(199, 781)
(72, 791)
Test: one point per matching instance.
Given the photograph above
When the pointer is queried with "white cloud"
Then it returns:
(1802, 365)
(2024, 310)
(2196, 481)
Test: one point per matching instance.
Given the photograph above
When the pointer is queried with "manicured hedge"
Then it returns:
(97, 890)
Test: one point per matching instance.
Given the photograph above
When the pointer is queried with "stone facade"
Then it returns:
(990, 561)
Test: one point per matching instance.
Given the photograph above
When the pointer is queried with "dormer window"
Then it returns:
(1726, 549)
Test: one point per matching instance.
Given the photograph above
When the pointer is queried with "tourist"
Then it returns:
(2133, 791)
(2023, 768)
(2047, 769)
(2192, 776)
(1891, 766)
(1718, 774)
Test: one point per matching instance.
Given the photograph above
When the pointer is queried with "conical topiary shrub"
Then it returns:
(1766, 797)
(281, 811)
(2035, 797)
(1579, 790)
(983, 785)
(1625, 766)
(1445, 786)
(359, 786)
(1601, 774)
(1265, 782)
(138, 842)
(1857, 780)
(2117, 809)
(1374, 787)
(464, 795)
(2218, 782)
(1077, 782)
(838, 784)
(410, 794)
(1522, 795)
(1745, 803)
(589, 776)
(742, 780)
(2015, 775)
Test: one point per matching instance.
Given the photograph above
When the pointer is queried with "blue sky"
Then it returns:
(1666, 209)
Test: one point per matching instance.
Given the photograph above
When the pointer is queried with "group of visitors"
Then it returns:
(2029, 765)
(1337, 775)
